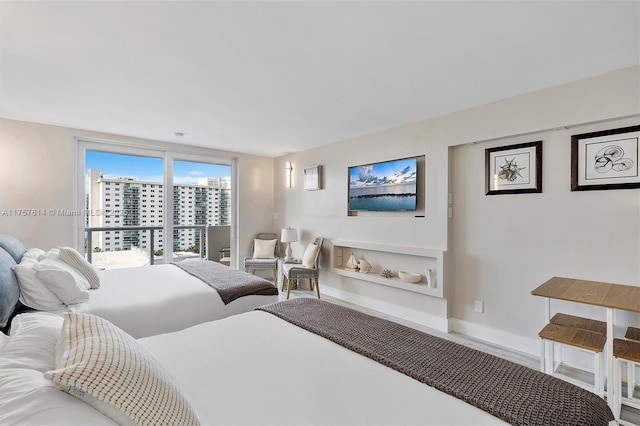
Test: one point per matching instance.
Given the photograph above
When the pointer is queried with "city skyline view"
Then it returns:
(201, 197)
(151, 169)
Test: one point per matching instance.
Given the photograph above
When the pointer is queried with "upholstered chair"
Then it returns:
(308, 268)
(264, 254)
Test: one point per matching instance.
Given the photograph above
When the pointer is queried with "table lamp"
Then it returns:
(289, 235)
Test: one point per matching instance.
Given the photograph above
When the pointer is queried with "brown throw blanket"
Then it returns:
(229, 283)
(512, 392)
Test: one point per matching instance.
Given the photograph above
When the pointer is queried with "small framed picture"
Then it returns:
(605, 160)
(513, 169)
(313, 178)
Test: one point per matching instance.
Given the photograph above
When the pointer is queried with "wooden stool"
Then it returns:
(573, 321)
(625, 351)
(582, 338)
(634, 335)
(581, 323)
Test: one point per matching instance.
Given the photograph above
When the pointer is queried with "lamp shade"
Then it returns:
(289, 235)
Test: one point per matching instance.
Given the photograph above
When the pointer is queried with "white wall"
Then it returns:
(512, 316)
(37, 171)
(324, 213)
(504, 246)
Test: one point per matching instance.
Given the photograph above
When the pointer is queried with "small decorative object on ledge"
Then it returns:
(431, 277)
(409, 277)
(364, 266)
(387, 273)
(352, 263)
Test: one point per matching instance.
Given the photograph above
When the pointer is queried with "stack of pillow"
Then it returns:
(26, 396)
(51, 280)
(105, 375)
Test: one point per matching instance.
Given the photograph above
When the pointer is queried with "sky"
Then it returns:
(398, 171)
(151, 169)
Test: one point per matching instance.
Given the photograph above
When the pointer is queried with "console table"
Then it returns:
(609, 296)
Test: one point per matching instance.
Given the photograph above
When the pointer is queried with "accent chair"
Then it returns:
(264, 254)
(307, 269)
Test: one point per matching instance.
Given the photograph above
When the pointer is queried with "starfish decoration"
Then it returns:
(509, 170)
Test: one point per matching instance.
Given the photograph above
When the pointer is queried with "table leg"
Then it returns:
(548, 361)
(547, 310)
(609, 359)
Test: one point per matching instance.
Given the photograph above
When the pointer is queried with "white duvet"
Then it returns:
(149, 300)
(248, 369)
(257, 369)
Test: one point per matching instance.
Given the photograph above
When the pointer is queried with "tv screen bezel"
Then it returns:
(415, 206)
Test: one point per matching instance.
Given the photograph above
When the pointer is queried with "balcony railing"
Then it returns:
(151, 229)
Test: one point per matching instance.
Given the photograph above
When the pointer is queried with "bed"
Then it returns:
(302, 361)
(143, 301)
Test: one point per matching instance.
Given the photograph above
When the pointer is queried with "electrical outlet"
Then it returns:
(275, 216)
(480, 306)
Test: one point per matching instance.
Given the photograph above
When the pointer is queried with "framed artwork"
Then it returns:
(313, 178)
(605, 160)
(513, 169)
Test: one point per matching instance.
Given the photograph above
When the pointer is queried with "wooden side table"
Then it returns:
(610, 296)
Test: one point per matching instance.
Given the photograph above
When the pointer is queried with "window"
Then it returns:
(188, 194)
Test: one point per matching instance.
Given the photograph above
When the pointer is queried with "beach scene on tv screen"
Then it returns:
(390, 185)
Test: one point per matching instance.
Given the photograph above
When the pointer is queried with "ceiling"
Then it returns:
(270, 78)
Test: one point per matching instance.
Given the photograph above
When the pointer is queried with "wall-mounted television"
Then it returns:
(384, 186)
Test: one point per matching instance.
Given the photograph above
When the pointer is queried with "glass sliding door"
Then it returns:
(124, 208)
(145, 206)
(201, 203)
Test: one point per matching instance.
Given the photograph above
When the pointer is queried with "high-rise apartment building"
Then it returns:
(127, 201)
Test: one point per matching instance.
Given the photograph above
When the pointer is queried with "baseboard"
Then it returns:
(482, 333)
(497, 337)
(402, 312)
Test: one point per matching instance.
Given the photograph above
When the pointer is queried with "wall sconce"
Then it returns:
(287, 174)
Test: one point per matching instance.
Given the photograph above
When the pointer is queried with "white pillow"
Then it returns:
(72, 257)
(264, 249)
(34, 292)
(32, 342)
(309, 256)
(97, 363)
(27, 398)
(3, 342)
(64, 280)
(53, 253)
(33, 253)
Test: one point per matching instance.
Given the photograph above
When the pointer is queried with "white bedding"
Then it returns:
(149, 300)
(249, 369)
(255, 368)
